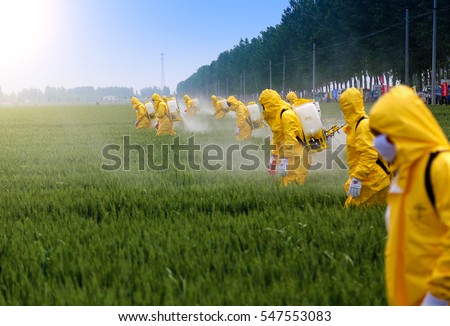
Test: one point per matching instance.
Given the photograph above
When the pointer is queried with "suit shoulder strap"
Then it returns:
(428, 184)
(360, 119)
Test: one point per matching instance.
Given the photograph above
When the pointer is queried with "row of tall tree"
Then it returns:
(354, 41)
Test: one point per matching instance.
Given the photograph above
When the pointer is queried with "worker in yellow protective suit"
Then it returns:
(369, 175)
(142, 117)
(292, 98)
(417, 253)
(288, 138)
(243, 129)
(190, 107)
(165, 124)
(214, 100)
(219, 111)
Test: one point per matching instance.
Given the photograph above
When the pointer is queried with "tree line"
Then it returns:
(81, 94)
(355, 43)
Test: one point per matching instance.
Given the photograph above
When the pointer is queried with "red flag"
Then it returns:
(444, 87)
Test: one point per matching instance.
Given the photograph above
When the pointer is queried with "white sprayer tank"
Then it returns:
(255, 115)
(309, 117)
(150, 108)
(318, 109)
(224, 104)
(174, 110)
(151, 112)
(173, 105)
(196, 103)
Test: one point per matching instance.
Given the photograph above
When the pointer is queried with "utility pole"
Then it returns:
(406, 48)
(284, 74)
(240, 86)
(243, 81)
(270, 74)
(433, 60)
(226, 81)
(162, 72)
(314, 70)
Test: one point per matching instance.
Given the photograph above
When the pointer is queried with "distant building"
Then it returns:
(110, 98)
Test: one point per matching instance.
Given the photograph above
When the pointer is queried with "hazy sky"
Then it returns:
(104, 43)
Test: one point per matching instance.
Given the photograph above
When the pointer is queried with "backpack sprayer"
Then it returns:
(316, 136)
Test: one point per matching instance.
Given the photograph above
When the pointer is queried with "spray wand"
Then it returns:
(335, 129)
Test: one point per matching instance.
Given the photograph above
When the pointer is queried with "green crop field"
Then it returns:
(78, 229)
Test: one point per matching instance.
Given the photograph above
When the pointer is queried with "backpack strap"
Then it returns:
(381, 164)
(281, 113)
(428, 184)
(360, 119)
(249, 121)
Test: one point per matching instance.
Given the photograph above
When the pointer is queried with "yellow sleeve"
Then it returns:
(368, 155)
(440, 179)
(275, 145)
(292, 128)
(143, 111)
(161, 110)
(218, 106)
(276, 138)
(241, 116)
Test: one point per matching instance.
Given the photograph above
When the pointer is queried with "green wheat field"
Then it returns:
(75, 233)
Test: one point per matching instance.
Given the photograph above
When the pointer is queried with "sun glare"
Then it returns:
(24, 28)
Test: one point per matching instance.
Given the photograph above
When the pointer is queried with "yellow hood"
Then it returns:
(272, 104)
(157, 98)
(406, 120)
(135, 102)
(233, 102)
(291, 97)
(352, 105)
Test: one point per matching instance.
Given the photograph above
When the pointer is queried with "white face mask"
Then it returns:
(385, 147)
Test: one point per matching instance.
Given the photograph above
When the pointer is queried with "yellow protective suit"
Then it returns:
(165, 124)
(219, 112)
(142, 117)
(288, 136)
(362, 157)
(418, 247)
(291, 97)
(190, 109)
(242, 118)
